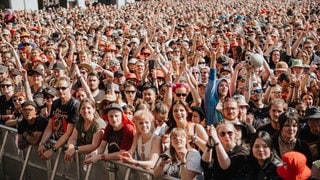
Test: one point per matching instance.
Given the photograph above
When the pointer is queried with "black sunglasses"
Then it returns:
(181, 94)
(223, 134)
(59, 88)
(128, 92)
(6, 85)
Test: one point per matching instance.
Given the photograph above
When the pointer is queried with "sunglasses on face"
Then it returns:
(130, 92)
(223, 134)
(202, 63)
(181, 94)
(61, 88)
(18, 99)
(6, 85)
(257, 91)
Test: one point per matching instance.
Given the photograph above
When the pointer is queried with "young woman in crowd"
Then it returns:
(223, 158)
(181, 162)
(146, 145)
(87, 135)
(263, 161)
(287, 139)
(179, 117)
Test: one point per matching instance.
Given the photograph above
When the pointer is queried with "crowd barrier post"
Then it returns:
(55, 167)
(2, 152)
(25, 162)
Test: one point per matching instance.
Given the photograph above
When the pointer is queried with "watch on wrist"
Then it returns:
(76, 148)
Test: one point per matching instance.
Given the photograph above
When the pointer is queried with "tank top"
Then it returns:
(144, 150)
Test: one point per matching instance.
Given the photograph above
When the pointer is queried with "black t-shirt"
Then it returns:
(269, 129)
(306, 136)
(38, 126)
(62, 114)
(238, 157)
(260, 114)
(6, 107)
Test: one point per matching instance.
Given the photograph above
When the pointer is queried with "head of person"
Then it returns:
(180, 91)
(227, 135)
(307, 98)
(29, 110)
(256, 92)
(63, 88)
(178, 113)
(144, 121)
(149, 93)
(18, 99)
(242, 105)
(281, 67)
(300, 106)
(288, 123)
(49, 95)
(130, 90)
(87, 109)
(275, 56)
(308, 45)
(261, 147)
(114, 115)
(297, 66)
(223, 87)
(284, 80)
(276, 92)
(160, 113)
(276, 107)
(7, 86)
(80, 94)
(198, 115)
(312, 118)
(178, 141)
(129, 111)
(204, 72)
(230, 109)
(93, 80)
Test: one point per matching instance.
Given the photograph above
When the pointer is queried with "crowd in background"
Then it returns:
(188, 89)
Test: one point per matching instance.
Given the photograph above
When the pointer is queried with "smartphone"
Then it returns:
(151, 64)
(164, 156)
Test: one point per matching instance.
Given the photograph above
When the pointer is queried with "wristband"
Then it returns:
(103, 157)
(54, 149)
(76, 148)
(136, 164)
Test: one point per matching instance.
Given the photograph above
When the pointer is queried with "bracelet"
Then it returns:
(136, 163)
(103, 157)
(76, 148)
(54, 149)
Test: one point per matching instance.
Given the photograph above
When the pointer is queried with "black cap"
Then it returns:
(312, 112)
(49, 91)
(200, 111)
(119, 73)
(27, 103)
(113, 106)
(35, 71)
(59, 66)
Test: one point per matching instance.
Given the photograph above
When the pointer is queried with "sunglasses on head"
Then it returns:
(257, 91)
(181, 94)
(223, 134)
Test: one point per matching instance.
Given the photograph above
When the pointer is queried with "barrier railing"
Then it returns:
(30, 166)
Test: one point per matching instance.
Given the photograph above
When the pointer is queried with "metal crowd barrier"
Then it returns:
(30, 166)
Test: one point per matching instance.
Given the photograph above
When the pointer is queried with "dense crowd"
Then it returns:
(188, 89)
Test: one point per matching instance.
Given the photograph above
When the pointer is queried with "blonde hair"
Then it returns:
(174, 133)
(142, 115)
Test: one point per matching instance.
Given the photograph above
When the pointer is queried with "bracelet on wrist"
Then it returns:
(54, 149)
(103, 157)
(76, 148)
(136, 164)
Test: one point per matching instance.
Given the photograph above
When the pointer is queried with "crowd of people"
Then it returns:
(188, 89)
